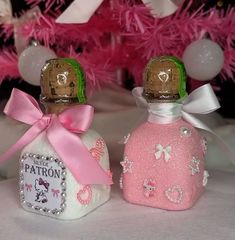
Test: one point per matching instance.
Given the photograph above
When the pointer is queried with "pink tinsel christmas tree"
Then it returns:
(121, 34)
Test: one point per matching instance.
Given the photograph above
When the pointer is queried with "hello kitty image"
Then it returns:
(149, 187)
(42, 187)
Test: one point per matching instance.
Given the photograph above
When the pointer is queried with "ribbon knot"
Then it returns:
(200, 101)
(161, 150)
(60, 134)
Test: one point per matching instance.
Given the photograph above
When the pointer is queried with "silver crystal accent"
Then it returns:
(185, 132)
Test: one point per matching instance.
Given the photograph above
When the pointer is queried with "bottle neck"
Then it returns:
(164, 113)
(57, 108)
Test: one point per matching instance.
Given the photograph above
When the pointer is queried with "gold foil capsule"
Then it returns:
(164, 79)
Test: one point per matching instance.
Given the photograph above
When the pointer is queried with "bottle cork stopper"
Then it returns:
(164, 79)
(62, 81)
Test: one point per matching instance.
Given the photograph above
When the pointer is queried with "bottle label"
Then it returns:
(42, 183)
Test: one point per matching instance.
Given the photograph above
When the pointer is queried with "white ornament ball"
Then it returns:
(31, 61)
(203, 59)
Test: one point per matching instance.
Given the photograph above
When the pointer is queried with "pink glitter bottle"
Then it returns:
(164, 158)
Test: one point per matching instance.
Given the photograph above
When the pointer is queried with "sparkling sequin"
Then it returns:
(204, 145)
(174, 194)
(121, 181)
(194, 166)
(185, 132)
(127, 165)
(160, 150)
(84, 195)
(205, 178)
(98, 150)
(149, 186)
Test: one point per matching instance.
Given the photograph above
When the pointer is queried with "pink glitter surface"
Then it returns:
(170, 156)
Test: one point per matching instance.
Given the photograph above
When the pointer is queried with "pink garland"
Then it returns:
(9, 64)
(142, 37)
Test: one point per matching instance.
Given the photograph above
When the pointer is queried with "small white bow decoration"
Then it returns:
(161, 150)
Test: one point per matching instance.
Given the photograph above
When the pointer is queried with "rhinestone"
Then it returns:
(31, 155)
(51, 159)
(60, 163)
(43, 157)
(63, 195)
(53, 211)
(121, 182)
(63, 205)
(185, 132)
(63, 173)
(23, 201)
(63, 184)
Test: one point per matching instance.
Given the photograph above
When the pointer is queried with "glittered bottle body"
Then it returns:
(47, 187)
(163, 165)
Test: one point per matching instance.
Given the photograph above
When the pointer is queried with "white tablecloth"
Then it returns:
(212, 218)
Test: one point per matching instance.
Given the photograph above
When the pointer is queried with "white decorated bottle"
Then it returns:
(47, 186)
(164, 158)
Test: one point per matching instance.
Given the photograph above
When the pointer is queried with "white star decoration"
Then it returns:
(127, 165)
(161, 150)
(205, 178)
(194, 165)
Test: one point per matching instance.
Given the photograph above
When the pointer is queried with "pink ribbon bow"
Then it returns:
(60, 133)
(28, 187)
(55, 192)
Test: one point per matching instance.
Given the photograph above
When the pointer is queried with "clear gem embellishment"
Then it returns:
(194, 166)
(205, 178)
(185, 132)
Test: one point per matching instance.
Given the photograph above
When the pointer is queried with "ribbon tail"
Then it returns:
(79, 11)
(167, 156)
(76, 156)
(139, 99)
(158, 154)
(31, 134)
(198, 124)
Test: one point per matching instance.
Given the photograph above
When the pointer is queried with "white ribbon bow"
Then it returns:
(80, 11)
(161, 150)
(200, 101)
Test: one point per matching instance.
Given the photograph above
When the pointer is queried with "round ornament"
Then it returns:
(31, 61)
(203, 59)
